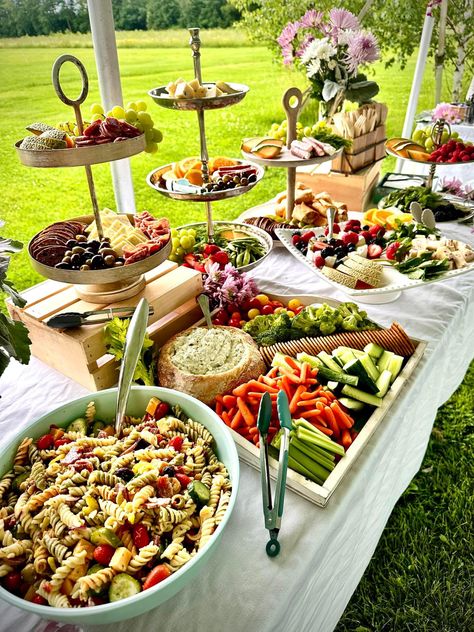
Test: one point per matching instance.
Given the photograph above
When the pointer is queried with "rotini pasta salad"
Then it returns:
(87, 518)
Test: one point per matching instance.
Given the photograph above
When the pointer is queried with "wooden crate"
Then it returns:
(354, 190)
(80, 353)
(321, 494)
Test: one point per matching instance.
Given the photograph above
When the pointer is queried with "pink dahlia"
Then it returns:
(343, 19)
(447, 112)
(311, 18)
(362, 49)
(288, 34)
(304, 44)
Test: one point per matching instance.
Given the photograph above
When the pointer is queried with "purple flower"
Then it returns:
(343, 19)
(287, 52)
(311, 18)
(453, 185)
(362, 49)
(307, 40)
(228, 285)
(447, 112)
(288, 34)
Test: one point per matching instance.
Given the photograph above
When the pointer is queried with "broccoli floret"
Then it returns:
(314, 320)
(353, 319)
(266, 330)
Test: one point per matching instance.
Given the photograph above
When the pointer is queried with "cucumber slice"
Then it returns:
(374, 350)
(328, 361)
(384, 361)
(369, 366)
(123, 585)
(78, 425)
(383, 383)
(344, 354)
(337, 376)
(395, 366)
(351, 404)
(332, 386)
(102, 535)
(355, 367)
(199, 492)
(362, 396)
(313, 361)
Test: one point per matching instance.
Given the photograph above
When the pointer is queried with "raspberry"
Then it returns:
(319, 261)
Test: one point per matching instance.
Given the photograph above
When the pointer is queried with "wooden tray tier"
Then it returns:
(161, 97)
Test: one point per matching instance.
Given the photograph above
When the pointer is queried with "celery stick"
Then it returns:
(321, 441)
(317, 470)
(305, 424)
(315, 456)
(304, 435)
(317, 450)
(302, 470)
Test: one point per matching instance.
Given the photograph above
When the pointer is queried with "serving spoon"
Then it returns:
(132, 350)
(203, 301)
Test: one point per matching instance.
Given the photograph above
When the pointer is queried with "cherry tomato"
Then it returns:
(45, 442)
(222, 315)
(234, 322)
(236, 315)
(252, 313)
(12, 581)
(243, 322)
(263, 299)
(267, 309)
(157, 575)
(59, 442)
(176, 443)
(161, 410)
(140, 536)
(277, 304)
(183, 479)
(233, 307)
(253, 304)
(293, 304)
(218, 321)
(290, 313)
(278, 310)
(103, 553)
(299, 309)
(38, 599)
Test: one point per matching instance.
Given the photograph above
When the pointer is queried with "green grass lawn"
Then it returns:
(418, 580)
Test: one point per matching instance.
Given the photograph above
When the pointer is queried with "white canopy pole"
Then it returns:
(105, 48)
(443, 16)
(417, 79)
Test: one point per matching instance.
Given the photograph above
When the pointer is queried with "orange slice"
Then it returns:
(194, 176)
(186, 164)
(221, 161)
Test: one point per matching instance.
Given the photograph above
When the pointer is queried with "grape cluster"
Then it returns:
(279, 130)
(134, 113)
(183, 242)
(423, 137)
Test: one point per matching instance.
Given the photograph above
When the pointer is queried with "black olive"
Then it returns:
(78, 250)
(81, 238)
(63, 265)
(340, 252)
(75, 261)
(71, 243)
(169, 471)
(244, 182)
(84, 268)
(68, 253)
(142, 444)
(97, 262)
(124, 473)
(252, 178)
(333, 241)
(365, 227)
(66, 259)
(94, 245)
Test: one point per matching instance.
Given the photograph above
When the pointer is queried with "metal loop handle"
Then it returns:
(57, 86)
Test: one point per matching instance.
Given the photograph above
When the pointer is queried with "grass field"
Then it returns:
(420, 579)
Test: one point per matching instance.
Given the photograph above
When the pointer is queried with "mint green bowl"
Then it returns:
(105, 405)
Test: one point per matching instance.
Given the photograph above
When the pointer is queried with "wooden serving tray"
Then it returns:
(320, 494)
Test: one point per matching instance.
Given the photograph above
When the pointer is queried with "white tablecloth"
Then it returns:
(324, 551)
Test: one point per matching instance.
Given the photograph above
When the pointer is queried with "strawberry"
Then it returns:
(392, 250)
(221, 257)
(307, 236)
(374, 251)
(211, 249)
(319, 261)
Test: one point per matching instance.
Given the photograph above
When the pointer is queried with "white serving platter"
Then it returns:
(393, 282)
(321, 494)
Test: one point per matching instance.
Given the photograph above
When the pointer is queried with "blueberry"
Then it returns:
(333, 241)
(327, 252)
(351, 248)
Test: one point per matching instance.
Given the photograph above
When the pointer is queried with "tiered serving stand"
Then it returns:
(162, 98)
(96, 286)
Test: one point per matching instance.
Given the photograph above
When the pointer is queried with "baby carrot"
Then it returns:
(290, 375)
(256, 439)
(306, 403)
(241, 390)
(295, 399)
(219, 398)
(273, 372)
(332, 421)
(237, 420)
(305, 368)
(225, 417)
(219, 407)
(291, 362)
(323, 429)
(270, 381)
(309, 394)
(253, 430)
(257, 386)
(310, 414)
(320, 405)
(346, 439)
(341, 417)
(248, 416)
(229, 401)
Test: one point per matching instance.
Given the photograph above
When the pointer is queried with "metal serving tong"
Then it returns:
(273, 511)
(70, 320)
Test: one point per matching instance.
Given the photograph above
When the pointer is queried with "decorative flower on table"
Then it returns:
(456, 187)
(447, 112)
(330, 50)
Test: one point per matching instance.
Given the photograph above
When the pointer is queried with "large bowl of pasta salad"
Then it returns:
(95, 528)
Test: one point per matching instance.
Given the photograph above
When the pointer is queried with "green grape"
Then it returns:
(139, 126)
(96, 117)
(274, 126)
(109, 113)
(454, 135)
(183, 232)
(174, 258)
(175, 241)
(418, 136)
(149, 136)
(151, 148)
(96, 108)
(307, 131)
(157, 135)
(179, 252)
(193, 241)
(174, 232)
(429, 145)
(118, 112)
(191, 232)
(131, 106)
(145, 120)
(141, 106)
(185, 242)
(445, 136)
(130, 115)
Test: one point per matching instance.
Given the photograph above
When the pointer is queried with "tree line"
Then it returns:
(42, 17)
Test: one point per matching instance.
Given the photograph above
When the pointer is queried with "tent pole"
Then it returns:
(106, 57)
(440, 53)
(417, 79)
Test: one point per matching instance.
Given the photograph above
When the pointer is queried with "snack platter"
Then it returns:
(426, 162)
(320, 494)
(393, 281)
(154, 177)
(287, 159)
(161, 97)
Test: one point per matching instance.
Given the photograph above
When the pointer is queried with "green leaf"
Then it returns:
(14, 340)
(10, 245)
(330, 89)
(115, 336)
(361, 91)
(17, 298)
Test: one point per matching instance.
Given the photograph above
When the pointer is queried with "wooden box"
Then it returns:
(355, 190)
(81, 353)
(364, 151)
